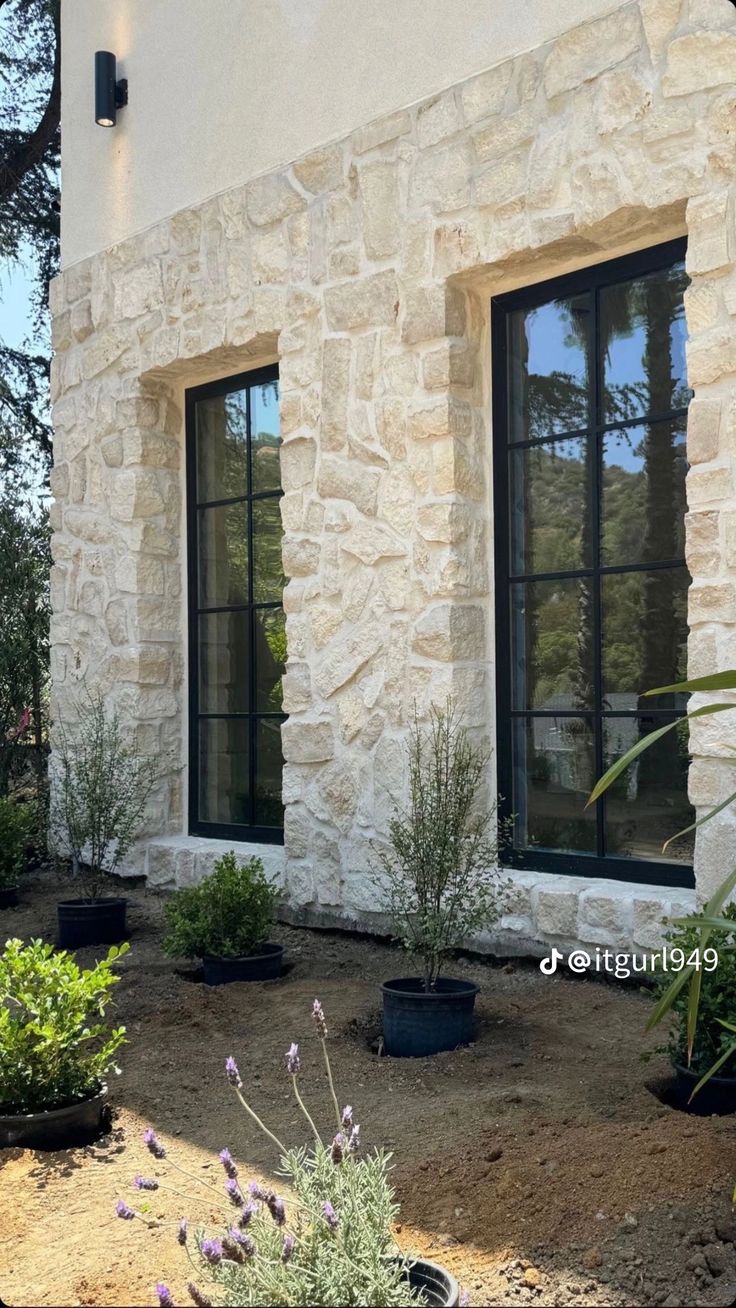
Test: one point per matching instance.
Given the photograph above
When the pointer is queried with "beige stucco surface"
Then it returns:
(222, 90)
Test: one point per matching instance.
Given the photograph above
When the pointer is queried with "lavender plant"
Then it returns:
(327, 1241)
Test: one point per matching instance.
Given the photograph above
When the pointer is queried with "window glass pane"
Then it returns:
(269, 805)
(223, 555)
(548, 368)
(648, 803)
(554, 772)
(642, 341)
(224, 661)
(552, 644)
(270, 655)
(643, 493)
(268, 575)
(264, 435)
(550, 505)
(644, 621)
(224, 794)
(222, 446)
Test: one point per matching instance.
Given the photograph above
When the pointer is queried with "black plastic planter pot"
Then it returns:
(717, 1095)
(60, 1128)
(438, 1286)
(263, 965)
(91, 922)
(417, 1023)
(8, 896)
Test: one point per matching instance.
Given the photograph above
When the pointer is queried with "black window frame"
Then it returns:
(592, 279)
(245, 833)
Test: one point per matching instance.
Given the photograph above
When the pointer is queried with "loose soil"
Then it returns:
(537, 1164)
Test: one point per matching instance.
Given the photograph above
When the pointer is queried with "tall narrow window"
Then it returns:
(237, 647)
(590, 402)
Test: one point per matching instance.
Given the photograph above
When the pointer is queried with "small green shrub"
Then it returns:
(226, 916)
(717, 998)
(16, 831)
(54, 1047)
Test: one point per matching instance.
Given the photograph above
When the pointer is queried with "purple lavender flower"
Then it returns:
(337, 1148)
(153, 1144)
(329, 1215)
(249, 1211)
(277, 1210)
(319, 1019)
(347, 1118)
(122, 1210)
(181, 1234)
(354, 1141)
(164, 1296)
(232, 1189)
(197, 1297)
(211, 1250)
(232, 1073)
(145, 1183)
(244, 1242)
(226, 1159)
(287, 1247)
(258, 1191)
(464, 1299)
(293, 1062)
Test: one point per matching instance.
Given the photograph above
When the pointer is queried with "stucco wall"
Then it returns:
(367, 269)
(222, 90)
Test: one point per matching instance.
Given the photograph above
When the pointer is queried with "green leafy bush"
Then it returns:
(16, 831)
(55, 1048)
(227, 915)
(717, 997)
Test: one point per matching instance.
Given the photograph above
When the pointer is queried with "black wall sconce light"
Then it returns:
(110, 95)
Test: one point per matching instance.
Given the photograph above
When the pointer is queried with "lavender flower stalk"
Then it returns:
(163, 1294)
(232, 1073)
(145, 1183)
(197, 1297)
(153, 1144)
(293, 1064)
(211, 1251)
(330, 1215)
(226, 1159)
(122, 1210)
(233, 1191)
(287, 1248)
(182, 1232)
(318, 1013)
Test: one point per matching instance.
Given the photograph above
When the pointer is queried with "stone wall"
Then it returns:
(366, 268)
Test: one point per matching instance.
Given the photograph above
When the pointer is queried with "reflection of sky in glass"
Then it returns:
(552, 346)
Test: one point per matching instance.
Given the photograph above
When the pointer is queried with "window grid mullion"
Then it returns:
(252, 622)
(596, 510)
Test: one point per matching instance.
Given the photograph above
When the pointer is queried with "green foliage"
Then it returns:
(54, 1046)
(350, 1265)
(439, 875)
(717, 995)
(16, 832)
(101, 795)
(25, 563)
(226, 916)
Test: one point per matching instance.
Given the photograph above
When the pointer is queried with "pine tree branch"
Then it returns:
(30, 153)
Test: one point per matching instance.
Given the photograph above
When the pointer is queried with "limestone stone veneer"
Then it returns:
(366, 269)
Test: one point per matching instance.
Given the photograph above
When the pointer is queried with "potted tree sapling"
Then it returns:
(439, 880)
(98, 808)
(225, 921)
(55, 1047)
(16, 824)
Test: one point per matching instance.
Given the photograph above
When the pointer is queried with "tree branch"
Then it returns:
(34, 147)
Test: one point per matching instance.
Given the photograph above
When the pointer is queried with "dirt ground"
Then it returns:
(537, 1164)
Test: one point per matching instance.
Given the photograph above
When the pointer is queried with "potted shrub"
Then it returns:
(98, 807)
(704, 1002)
(705, 1071)
(16, 823)
(440, 882)
(225, 921)
(55, 1047)
(330, 1243)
